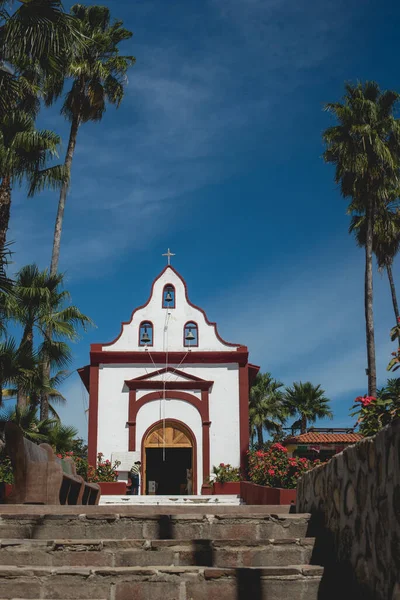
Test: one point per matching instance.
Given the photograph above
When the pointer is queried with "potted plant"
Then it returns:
(226, 479)
(106, 475)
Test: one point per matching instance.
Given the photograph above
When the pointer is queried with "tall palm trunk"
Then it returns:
(368, 300)
(303, 426)
(260, 437)
(27, 341)
(5, 206)
(44, 400)
(393, 290)
(63, 196)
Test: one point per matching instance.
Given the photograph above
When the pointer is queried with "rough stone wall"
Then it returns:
(356, 497)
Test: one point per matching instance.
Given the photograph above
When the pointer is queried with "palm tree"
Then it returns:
(17, 366)
(42, 308)
(308, 402)
(385, 241)
(24, 155)
(40, 30)
(365, 151)
(27, 420)
(60, 321)
(98, 75)
(62, 437)
(266, 408)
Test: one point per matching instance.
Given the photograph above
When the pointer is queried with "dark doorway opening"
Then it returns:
(169, 474)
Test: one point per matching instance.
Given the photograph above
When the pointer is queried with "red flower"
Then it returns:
(279, 447)
(221, 464)
(398, 319)
(271, 472)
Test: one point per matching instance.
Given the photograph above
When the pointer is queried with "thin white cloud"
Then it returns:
(189, 119)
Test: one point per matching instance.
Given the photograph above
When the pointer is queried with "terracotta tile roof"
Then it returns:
(324, 438)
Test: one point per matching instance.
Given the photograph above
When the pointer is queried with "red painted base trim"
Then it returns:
(112, 488)
(228, 488)
(255, 494)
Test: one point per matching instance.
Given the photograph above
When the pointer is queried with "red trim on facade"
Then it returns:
(93, 415)
(136, 405)
(149, 325)
(148, 376)
(239, 346)
(195, 326)
(201, 405)
(206, 437)
(244, 413)
(132, 421)
(98, 356)
(84, 374)
(169, 385)
(166, 305)
(193, 440)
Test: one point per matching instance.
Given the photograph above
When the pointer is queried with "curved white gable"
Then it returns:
(168, 324)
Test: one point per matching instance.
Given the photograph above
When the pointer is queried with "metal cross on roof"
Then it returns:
(168, 255)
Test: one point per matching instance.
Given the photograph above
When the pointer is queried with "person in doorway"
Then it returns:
(189, 482)
(133, 476)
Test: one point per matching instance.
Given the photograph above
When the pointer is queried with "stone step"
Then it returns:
(126, 510)
(127, 553)
(162, 583)
(154, 526)
(226, 500)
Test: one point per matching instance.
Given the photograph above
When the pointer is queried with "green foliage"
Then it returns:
(394, 363)
(266, 408)
(274, 468)
(97, 70)
(307, 401)
(225, 473)
(374, 413)
(6, 472)
(386, 230)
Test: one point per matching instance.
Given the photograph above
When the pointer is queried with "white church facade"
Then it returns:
(170, 390)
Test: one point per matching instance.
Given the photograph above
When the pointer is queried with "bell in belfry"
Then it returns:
(189, 336)
(168, 297)
(145, 337)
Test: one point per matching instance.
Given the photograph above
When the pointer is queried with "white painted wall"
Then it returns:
(172, 409)
(224, 410)
(174, 319)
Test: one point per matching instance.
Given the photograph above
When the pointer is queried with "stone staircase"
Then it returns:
(150, 553)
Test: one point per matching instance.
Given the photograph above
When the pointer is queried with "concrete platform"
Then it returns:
(170, 500)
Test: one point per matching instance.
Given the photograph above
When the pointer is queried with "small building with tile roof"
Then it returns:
(321, 443)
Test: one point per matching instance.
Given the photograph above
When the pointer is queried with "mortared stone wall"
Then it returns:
(354, 500)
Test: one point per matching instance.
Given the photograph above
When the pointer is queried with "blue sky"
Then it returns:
(216, 153)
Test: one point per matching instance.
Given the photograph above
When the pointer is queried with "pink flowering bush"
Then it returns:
(274, 468)
(105, 471)
(374, 413)
(225, 472)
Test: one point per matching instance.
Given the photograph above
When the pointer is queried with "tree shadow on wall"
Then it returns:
(338, 580)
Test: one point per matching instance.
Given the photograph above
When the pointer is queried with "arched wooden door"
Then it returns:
(167, 438)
